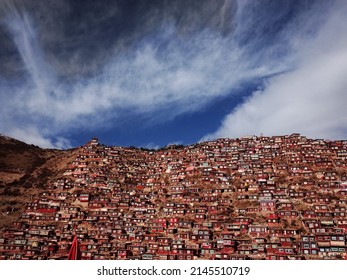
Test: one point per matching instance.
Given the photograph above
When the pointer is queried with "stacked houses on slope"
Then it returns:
(281, 197)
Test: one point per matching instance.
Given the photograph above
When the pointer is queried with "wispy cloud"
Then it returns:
(151, 146)
(310, 98)
(178, 62)
(35, 136)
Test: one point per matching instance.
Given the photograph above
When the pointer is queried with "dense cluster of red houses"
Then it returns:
(261, 197)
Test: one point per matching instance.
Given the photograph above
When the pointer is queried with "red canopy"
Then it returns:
(75, 252)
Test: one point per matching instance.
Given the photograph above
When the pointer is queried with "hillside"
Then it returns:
(281, 197)
(24, 171)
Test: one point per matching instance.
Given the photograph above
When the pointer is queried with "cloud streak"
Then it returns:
(177, 61)
(310, 98)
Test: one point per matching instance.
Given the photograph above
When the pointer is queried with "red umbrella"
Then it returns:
(75, 252)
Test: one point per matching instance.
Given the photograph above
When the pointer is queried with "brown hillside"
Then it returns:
(24, 169)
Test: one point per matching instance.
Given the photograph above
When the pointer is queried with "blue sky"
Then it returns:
(152, 73)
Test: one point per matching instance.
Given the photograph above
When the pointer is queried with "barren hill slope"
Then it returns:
(23, 170)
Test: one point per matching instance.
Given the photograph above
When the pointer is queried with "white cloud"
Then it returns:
(182, 77)
(311, 99)
(31, 135)
(151, 146)
(168, 71)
